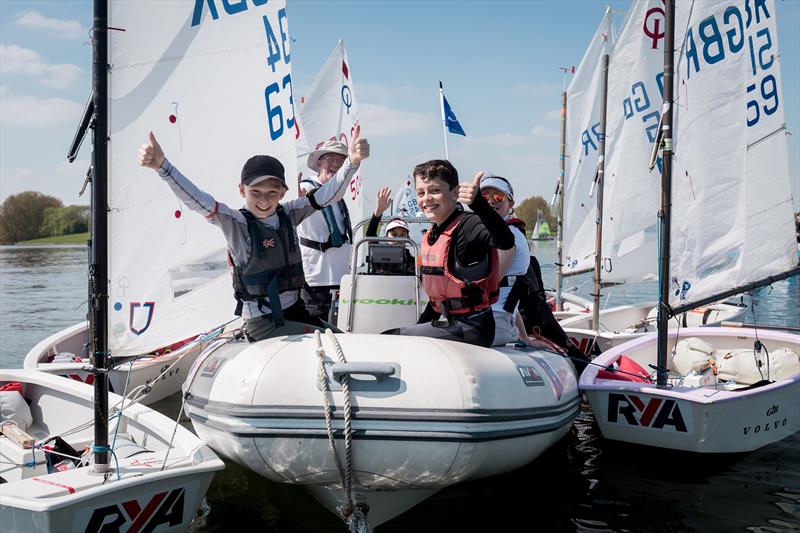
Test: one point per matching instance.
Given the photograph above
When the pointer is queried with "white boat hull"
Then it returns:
(452, 412)
(695, 419)
(627, 322)
(144, 498)
(139, 372)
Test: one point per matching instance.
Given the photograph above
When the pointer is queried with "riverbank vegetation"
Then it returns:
(31, 215)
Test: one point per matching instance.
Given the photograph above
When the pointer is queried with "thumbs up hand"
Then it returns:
(359, 148)
(150, 154)
(467, 192)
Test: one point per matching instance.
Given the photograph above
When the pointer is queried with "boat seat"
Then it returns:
(381, 302)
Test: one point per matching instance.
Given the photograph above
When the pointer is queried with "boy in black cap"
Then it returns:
(262, 241)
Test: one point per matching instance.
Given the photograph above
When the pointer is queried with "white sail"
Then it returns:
(583, 141)
(329, 111)
(732, 220)
(212, 80)
(405, 201)
(632, 192)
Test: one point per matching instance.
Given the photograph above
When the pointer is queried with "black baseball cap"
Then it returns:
(262, 167)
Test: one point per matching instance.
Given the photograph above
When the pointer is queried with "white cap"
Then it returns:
(396, 223)
(498, 183)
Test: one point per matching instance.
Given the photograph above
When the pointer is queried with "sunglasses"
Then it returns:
(497, 196)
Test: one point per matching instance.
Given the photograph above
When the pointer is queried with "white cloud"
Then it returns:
(378, 92)
(67, 29)
(544, 132)
(62, 180)
(384, 121)
(552, 115)
(18, 60)
(501, 139)
(26, 110)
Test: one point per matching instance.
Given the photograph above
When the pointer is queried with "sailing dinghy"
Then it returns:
(64, 466)
(727, 227)
(158, 476)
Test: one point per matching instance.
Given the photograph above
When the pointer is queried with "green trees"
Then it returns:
(528, 210)
(65, 220)
(30, 214)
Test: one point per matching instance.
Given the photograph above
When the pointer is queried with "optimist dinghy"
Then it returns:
(160, 470)
(160, 373)
(729, 390)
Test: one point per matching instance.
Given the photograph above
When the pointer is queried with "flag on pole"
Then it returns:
(449, 116)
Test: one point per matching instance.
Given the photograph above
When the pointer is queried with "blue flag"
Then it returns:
(450, 119)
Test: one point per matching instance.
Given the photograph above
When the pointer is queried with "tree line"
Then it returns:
(32, 215)
(528, 211)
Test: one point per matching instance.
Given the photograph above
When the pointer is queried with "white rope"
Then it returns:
(354, 515)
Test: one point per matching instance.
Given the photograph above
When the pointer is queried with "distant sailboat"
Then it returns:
(541, 231)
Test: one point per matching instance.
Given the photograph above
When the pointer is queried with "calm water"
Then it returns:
(583, 484)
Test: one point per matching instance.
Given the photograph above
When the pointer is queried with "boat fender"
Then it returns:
(13, 406)
(691, 352)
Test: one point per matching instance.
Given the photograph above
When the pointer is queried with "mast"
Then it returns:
(98, 271)
(601, 166)
(666, 193)
(560, 191)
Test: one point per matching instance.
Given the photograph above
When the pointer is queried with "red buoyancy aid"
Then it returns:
(442, 285)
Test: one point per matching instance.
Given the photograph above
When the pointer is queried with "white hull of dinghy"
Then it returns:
(627, 322)
(144, 498)
(138, 372)
(726, 418)
(449, 412)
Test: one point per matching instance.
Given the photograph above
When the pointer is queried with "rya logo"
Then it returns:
(163, 508)
(656, 413)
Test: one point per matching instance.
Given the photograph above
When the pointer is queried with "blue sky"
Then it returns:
(499, 62)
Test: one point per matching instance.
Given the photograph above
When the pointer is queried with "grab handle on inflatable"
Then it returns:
(378, 370)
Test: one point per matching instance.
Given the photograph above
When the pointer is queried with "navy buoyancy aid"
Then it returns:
(275, 265)
(330, 221)
(460, 296)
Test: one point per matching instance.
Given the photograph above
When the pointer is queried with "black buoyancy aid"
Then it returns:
(348, 228)
(443, 285)
(275, 265)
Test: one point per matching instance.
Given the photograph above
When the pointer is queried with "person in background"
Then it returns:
(460, 268)
(262, 240)
(326, 236)
(396, 228)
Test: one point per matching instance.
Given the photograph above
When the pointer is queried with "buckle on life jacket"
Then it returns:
(321, 246)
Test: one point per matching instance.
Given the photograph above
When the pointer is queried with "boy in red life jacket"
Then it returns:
(459, 260)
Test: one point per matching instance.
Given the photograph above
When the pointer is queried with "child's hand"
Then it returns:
(359, 148)
(467, 192)
(383, 200)
(151, 155)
